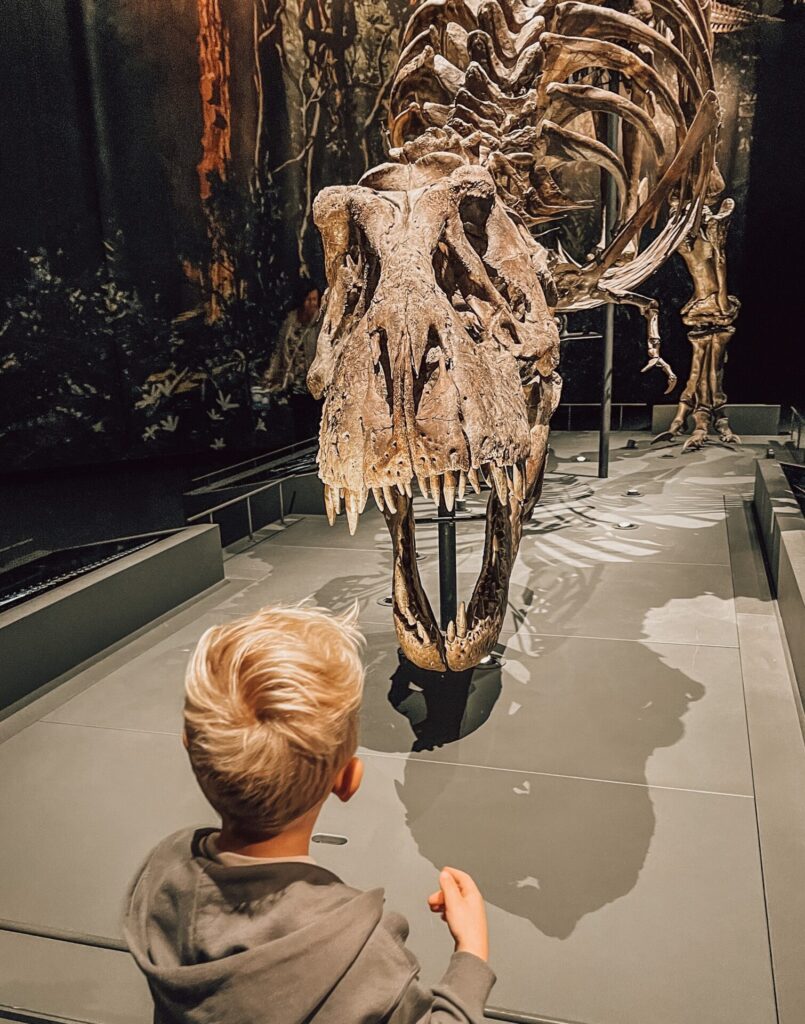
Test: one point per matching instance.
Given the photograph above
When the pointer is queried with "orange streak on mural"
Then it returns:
(214, 71)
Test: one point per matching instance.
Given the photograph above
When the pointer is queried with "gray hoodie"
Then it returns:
(284, 943)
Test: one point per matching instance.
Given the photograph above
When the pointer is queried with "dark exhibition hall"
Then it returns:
(402, 512)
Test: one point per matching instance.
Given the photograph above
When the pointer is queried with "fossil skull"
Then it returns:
(436, 359)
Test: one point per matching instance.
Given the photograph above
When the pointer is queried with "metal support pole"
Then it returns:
(249, 518)
(606, 391)
(610, 216)
(447, 565)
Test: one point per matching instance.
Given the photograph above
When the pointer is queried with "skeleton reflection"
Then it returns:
(438, 348)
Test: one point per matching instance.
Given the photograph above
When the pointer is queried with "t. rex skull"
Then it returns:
(436, 359)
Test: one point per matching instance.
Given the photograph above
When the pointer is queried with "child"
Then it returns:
(240, 925)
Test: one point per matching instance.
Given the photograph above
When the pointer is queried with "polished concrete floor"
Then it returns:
(599, 786)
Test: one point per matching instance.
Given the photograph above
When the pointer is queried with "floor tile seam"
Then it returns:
(336, 548)
(761, 866)
(629, 561)
(376, 550)
(552, 775)
(107, 728)
(383, 550)
(616, 639)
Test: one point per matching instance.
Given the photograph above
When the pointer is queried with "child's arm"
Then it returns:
(461, 995)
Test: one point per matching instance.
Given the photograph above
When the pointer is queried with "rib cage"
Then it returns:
(523, 85)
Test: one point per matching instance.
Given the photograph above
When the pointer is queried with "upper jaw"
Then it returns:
(507, 480)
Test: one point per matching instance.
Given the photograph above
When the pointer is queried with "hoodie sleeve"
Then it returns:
(459, 998)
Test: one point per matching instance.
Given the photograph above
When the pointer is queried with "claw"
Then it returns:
(666, 435)
(666, 369)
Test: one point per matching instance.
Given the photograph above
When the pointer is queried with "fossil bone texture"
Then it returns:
(438, 347)
(710, 315)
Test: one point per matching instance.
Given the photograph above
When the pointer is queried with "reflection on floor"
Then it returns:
(598, 785)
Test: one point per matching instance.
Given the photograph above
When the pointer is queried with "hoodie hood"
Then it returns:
(286, 942)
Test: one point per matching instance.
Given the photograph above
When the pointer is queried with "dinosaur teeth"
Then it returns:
(451, 631)
(435, 487)
(351, 501)
(378, 496)
(461, 620)
(423, 486)
(388, 495)
(462, 484)
(421, 633)
(449, 491)
(501, 486)
(518, 482)
(332, 503)
(475, 483)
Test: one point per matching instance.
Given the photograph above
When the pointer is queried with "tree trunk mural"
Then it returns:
(214, 70)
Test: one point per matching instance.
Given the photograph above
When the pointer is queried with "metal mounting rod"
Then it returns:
(610, 217)
(447, 564)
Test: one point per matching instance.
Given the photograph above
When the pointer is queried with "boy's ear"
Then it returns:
(348, 780)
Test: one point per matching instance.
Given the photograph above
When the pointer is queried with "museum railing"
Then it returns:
(797, 425)
(208, 514)
(208, 478)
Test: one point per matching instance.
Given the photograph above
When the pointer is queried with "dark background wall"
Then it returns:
(158, 166)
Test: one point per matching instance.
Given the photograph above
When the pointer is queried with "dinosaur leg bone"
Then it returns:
(710, 315)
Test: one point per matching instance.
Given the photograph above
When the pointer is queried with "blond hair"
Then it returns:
(271, 713)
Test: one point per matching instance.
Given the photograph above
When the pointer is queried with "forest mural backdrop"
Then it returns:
(159, 163)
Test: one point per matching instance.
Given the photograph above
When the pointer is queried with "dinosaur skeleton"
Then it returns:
(438, 346)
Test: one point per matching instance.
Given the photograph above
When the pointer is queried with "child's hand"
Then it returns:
(462, 907)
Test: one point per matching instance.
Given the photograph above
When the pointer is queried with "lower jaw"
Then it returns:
(465, 644)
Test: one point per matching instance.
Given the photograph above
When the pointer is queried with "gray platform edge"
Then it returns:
(775, 726)
(53, 633)
(744, 419)
(782, 532)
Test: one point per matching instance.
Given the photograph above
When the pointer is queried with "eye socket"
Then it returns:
(474, 212)
(366, 264)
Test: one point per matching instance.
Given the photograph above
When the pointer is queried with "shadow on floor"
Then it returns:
(551, 848)
(443, 706)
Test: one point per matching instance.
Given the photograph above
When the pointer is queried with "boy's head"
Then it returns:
(271, 713)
